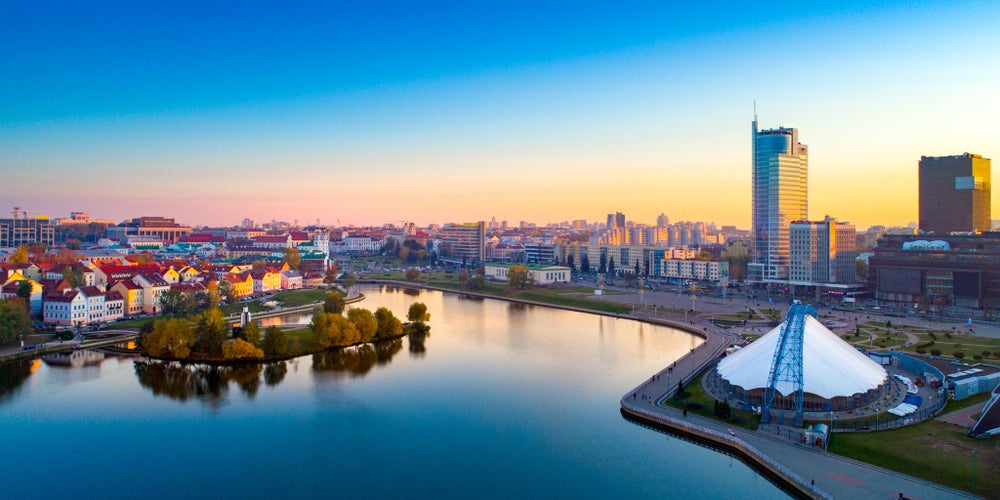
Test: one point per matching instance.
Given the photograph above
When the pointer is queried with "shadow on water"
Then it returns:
(416, 342)
(12, 377)
(206, 383)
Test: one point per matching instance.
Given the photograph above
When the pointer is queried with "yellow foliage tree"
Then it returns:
(241, 349)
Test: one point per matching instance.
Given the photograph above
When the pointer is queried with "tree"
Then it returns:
(604, 264)
(478, 279)
(570, 263)
(517, 276)
(333, 303)
(861, 269)
(422, 255)
(364, 321)
(412, 273)
(20, 256)
(293, 258)
(226, 291)
(403, 253)
(388, 324)
(15, 323)
(611, 266)
(584, 264)
(260, 264)
(418, 312)
(174, 302)
(274, 343)
(24, 289)
(251, 333)
(73, 244)
(463, 277)
(73, 275)
(211, 330)
(241, 349)
(170, 338)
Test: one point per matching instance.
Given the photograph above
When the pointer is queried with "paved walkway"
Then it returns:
(962, 417)
(836, 476)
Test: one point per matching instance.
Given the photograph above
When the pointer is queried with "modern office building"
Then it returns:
(162, 228)
(936, 275)
(465, 241)
(24, 230)
(780, 182)
(822, 252)
(954, 193)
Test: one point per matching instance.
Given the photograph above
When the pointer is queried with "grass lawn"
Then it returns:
(931, 450)
(696, 400)
(301, 297)
(300, 340)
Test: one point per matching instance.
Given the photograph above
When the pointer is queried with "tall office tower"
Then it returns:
(822, 252)
(662, 220)
(780, 190)
(616, 220)
(955, 193)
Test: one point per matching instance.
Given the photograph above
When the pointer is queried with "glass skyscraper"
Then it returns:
(780, 183)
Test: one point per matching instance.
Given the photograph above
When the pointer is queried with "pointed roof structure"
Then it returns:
(830, 367)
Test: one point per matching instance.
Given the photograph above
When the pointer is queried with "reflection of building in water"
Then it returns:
(74, 359)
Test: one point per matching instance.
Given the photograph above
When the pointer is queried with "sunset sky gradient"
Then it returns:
(458, 111)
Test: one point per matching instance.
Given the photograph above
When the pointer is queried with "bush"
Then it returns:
(986, 354)
(977, 357)
(920, 350)
(959, 354)
(241, 349)
(935, 352)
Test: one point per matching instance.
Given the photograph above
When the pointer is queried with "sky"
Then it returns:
(374, 112)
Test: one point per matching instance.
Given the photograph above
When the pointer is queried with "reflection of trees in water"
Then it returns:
(206, 383)
(12, 377)
(274, 373)
(416, 341)
(356, 361)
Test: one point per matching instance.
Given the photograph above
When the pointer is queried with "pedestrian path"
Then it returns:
(830, 475)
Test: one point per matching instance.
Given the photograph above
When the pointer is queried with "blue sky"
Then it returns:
(458, 111)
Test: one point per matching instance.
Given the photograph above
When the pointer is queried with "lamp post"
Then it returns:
(876, 417)
(973, 471)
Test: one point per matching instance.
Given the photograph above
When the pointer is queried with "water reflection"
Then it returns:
(416, 342)
(12, 377)
(356, 361)
(206, 383)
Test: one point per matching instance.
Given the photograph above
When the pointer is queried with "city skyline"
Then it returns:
(463, 113)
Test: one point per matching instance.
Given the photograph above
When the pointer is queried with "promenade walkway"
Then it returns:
(830, 475)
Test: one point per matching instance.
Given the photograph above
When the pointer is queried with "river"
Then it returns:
(501, 400)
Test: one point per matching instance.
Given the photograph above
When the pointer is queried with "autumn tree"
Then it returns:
(20, 256)
(15, 323)
(418, 312)
(251, 333)
(388, 324)
(349, 280)
(293, 258)
(274, 342)
(170, 338)
(226, 291)
(211, 330)
(333, 303)
(412, 273)
(73, 275)
(364, 321)
(517, 276)
(331, 273)
(241, 349)
(463, 277)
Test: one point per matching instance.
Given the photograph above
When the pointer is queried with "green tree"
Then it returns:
(611, 266)
(418, 312)
(73, 275)
(240, 349)
(24, 290)
(861, 269)
(211, 330)
(293, 258)
(15, 323)
(364, 321)
(388, 324)
(570, 263)
(517, 276)
(333, 303)
(584, 264)
(251, 333)
(174, 302)
(226, 291)
(275, 343)
(170, 338)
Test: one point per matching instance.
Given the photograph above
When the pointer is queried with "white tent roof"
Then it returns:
(830, 366)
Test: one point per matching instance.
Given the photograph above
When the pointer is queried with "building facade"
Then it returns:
(822, 252)
(164, 229)
(954, 193)
(780, 182)
(23, 230)
(465, 241)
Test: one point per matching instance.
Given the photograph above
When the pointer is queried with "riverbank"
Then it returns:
(18, 353)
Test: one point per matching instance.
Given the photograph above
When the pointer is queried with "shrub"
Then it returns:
(920, 350)
(241, 349)
(977, 357)
(986, 354)
(935, 352)
(959, 354)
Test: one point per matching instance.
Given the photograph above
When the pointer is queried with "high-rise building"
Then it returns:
(662, 220)
(954, 193)
(780, 190)
(24, 230)
(822, 252)
(616, 220)
(466, 241)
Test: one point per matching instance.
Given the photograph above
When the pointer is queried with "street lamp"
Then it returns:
(876, 417)
(973, 471)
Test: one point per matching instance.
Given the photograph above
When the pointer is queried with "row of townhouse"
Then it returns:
(83, 306)
(253, 282)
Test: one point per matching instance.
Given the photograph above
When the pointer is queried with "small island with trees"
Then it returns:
(208, 337)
